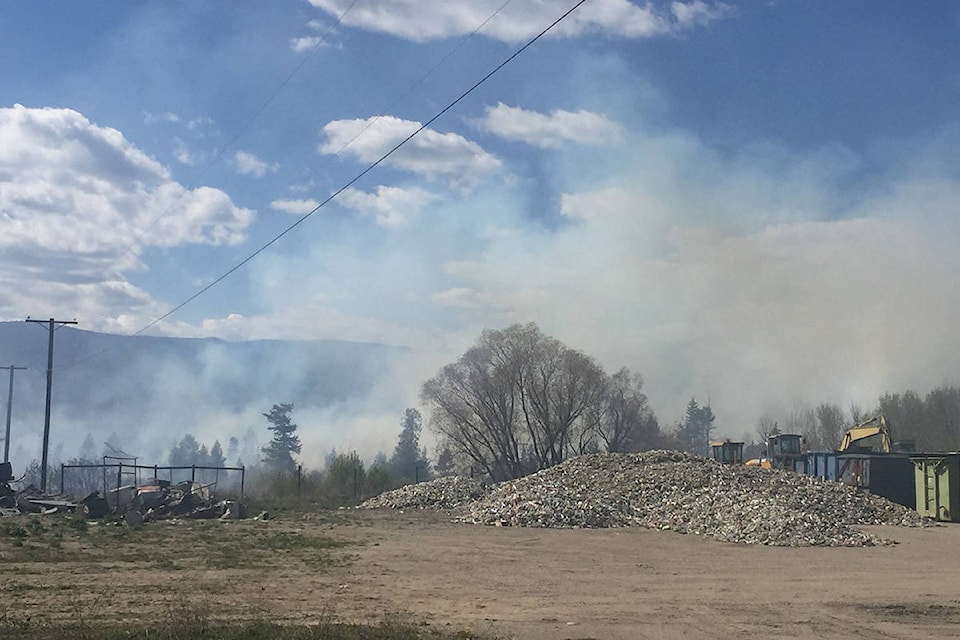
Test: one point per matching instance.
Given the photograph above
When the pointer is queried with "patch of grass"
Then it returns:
(261, 546)
(74, 523)
(13, 530)
(190, 621)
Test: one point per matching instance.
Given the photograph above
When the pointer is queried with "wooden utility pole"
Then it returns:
(51, 327)
(6, 441)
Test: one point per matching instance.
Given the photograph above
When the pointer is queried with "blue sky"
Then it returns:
(755, 202)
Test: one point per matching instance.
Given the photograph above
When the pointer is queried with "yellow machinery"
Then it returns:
(727, 452)
(873, 428)
(783, 452)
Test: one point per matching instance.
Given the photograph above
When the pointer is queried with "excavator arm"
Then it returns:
(874, 427)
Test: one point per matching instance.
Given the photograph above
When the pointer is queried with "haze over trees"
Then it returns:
(519, 401)
(931, 422)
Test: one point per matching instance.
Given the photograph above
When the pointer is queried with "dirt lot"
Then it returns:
(528, 584)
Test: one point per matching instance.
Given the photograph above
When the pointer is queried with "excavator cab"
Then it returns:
(784, 450)
(727, 452)
(784, 445)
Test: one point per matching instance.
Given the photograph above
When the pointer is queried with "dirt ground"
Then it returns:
(529, 584)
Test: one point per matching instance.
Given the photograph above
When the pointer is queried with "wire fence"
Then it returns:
(86, 478)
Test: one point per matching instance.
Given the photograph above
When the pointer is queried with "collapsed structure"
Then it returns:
(156, 500)
(667, 490)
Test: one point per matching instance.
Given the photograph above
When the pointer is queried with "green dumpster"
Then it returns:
(938, 485)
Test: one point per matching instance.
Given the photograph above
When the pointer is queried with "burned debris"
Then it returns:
(134, 502)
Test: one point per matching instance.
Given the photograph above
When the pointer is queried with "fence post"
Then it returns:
(243, 473)
(61, 478)
(193, 473)
(299, 478)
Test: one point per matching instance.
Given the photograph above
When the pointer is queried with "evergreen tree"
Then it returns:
(279, 453)
(409, 462)
(217, 459)
(233, 448)
(696, 427)
(185, 453)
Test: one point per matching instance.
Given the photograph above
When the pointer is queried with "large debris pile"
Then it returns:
(160, 499)
(157, 500)
(443, 493)
(689, 494)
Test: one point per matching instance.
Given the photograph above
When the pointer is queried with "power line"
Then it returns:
(330, 158)
(243, 129)
(360, 175)
(416, 84)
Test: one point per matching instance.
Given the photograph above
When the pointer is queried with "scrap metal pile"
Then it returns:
(676, 491)
(161, 499)
(135, 504)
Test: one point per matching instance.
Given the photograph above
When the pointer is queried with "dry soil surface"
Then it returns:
(529, 584)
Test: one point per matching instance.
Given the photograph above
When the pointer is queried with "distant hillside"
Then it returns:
(108, 384)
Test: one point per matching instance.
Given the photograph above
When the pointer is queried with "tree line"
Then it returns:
(518, 401)
(931, 421)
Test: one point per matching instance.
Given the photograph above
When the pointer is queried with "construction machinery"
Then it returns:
(727, 452)
(854, 440)
(783, 451)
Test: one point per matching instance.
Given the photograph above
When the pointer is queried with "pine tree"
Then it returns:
(279, 453)
(409, 462)
(217, 459)
(695, 431)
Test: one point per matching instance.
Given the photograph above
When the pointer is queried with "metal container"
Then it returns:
(938, 485)
(821, 464)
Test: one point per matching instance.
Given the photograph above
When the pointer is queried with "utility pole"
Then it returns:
(6, 441)
(51, 327)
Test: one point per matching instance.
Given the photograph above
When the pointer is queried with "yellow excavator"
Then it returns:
(853, 439)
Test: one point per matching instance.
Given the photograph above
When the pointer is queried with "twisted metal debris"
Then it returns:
(669, 490)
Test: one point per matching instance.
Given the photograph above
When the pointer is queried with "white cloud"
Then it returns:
(249, 164)
(390, 206)
(435, 155)
(78, 202)
(521, 19)
(154, 118)
(550, 130)
(182, 152)
(306, 43)
(697, 13)
(296, 207)
(459, 297)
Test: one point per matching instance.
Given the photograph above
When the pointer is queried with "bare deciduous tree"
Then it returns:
(519, 401)
(627, 422)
